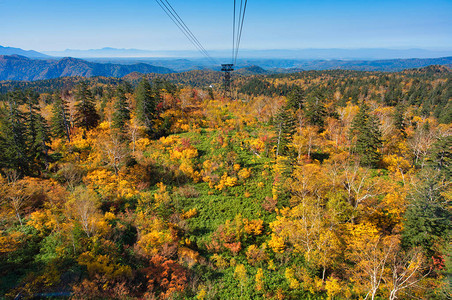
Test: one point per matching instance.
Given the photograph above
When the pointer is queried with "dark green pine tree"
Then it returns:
(86, 116)
(38, 134)
(443, 110)
(393, 94)
(440, 158)
(59, 122)
(368, 137)
(146, 104)
(427, 218)
(285, 126)
(399, 120)
(296, 98)
(122, 113)
(211, 95)
(127, 87)
(13, 141)
(315, 111)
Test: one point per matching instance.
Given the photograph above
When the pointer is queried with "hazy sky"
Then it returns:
(278, 24)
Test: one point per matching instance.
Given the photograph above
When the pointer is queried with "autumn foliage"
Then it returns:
(314, 185)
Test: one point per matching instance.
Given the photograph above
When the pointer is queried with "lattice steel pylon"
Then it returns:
(227, 69)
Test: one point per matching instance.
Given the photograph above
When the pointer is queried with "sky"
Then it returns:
(278, 24)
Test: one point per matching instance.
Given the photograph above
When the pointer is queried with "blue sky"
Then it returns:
(278, 24)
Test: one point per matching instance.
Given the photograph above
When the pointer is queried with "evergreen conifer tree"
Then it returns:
(146, 104)
(13, 142)
(440, 158)
(399, 120)
(315, 111)
(295, 98)
(59, 121)
(37, 132)
(427, 218)
(122, 112)
(285, 129)
(368, 137)
(86, 116)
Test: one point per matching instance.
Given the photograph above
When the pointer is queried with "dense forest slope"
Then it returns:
(382, 65)
(15, 67)
(388, 65)
(312, 185)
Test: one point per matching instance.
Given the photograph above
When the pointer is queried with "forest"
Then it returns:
(311, 185)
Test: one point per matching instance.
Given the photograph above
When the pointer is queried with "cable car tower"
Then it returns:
(227, 69)
(237, 26)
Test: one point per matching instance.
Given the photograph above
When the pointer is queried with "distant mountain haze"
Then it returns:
(19, 64)
(387, 65)
(15, 67)
(252, 70)
(337, 53)
(18, 51)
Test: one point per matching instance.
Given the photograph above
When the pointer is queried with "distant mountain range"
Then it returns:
(304, 54)
(113, 52)
(19, 64)
(293, 54)
(387, 65)
(252, 70)
(343, 54)
(18, 51)
(15, 67)
(262, 67)
(288, 65)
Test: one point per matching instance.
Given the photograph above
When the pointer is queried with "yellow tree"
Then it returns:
(358, 184)
(370, 251)
(72, 174)
(135, 129)
(407, 268)
(240, 275)
(16, 193)
(113, 148)
(297, 228)
(260, 285)
(82, 206)
(328, 248)
(309, 227)
(422, 140)
(309, 180)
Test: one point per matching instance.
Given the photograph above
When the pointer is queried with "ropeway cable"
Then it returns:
(177, 20)
(237, 28)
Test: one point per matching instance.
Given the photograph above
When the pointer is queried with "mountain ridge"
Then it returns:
(16, 67)
(18, 51)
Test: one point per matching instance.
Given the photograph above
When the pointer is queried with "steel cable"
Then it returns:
(177, 20)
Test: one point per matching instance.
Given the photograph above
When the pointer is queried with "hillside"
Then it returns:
(195, 78)
(431, 70)
(385, 65)
(17, 67)
(281, 65)
(251, 70)
(390, 65)
(256, 84)
(297, 188)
